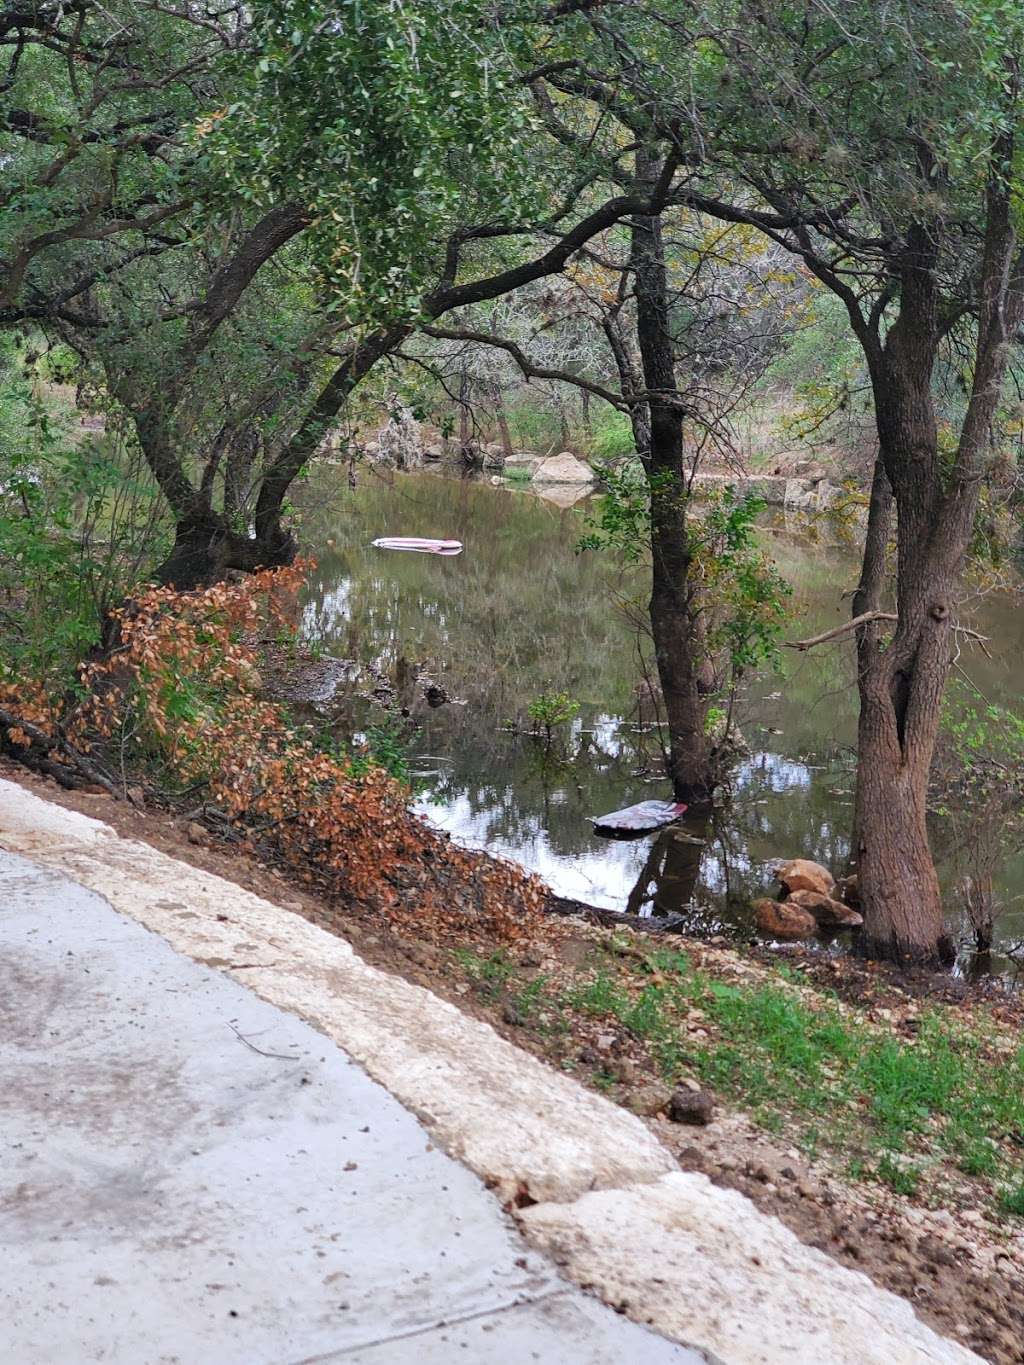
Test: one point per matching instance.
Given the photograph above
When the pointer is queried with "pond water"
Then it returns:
(520, 613)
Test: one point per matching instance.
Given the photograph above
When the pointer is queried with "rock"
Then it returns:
(649, 1100)
(433, 452)
(563, 468)
(800, 874)
(522, 463)
(625, 1072)
(848, 891)
(494, 455)
(827, 912)
(691, 1106)
(782, 919)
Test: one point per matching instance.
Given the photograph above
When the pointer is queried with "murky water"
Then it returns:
(520, 613)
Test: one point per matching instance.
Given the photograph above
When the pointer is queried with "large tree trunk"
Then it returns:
(205, 548)
(674, 608)
(901, 686)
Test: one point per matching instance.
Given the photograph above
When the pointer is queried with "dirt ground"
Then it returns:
(962, 1269)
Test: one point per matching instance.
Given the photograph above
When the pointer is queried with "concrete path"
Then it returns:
(164, 1175)
(190, 1174)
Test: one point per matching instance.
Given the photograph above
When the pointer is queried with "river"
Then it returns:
(520, 613)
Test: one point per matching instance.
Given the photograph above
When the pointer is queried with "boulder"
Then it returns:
(800, 874)
(783, 919)
(521, 462)
(564, 468)
(433, 452)
(691, 1106)
(649, 1100)
(494, 455)
(828, 913)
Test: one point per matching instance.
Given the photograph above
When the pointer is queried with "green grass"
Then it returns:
(894, 1111)
(890, 1107)
(491, 973)
(1011, 1199)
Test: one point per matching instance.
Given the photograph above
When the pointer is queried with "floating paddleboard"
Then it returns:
(642, 818)
(419, 546)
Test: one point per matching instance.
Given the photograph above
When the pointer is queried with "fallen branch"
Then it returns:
(865, 618)
(49, 744)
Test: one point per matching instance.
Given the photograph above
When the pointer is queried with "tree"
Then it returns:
(373, 150)
(880, 147)
(663, 293)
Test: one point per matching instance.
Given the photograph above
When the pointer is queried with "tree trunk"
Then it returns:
(501, 416)
(674, 610)
(902, 685)
(205, 548)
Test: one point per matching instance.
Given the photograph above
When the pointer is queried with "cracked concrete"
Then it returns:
(699, 1264)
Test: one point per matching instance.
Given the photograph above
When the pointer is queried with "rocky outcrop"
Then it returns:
(813, 493)
(828, 913)
(783, 919)
(564, 468)
(800, 874)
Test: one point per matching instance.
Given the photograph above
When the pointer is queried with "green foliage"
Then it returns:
(490, 972)
(623, 518)
(1011, 1199)
(71, 522)
(390, 123)
(799, 1061)
(550, 710)
(980, 732)
(747, 596)
(612, 436)
(384, 746)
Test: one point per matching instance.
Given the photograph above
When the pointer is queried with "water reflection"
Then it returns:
(520, 613)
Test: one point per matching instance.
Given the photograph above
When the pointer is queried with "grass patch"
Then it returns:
(889, 1109)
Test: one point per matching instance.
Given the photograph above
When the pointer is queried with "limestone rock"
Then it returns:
(563, 468)
(826, 911)
(783, 919)
(649, 1099)
(521, 462)
(800, 874)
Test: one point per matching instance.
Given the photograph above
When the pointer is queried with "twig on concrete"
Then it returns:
(279, 1056)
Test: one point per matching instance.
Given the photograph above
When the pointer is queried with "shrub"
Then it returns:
(179, 699)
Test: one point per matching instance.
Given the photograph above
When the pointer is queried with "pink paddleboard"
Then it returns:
(419, 546)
